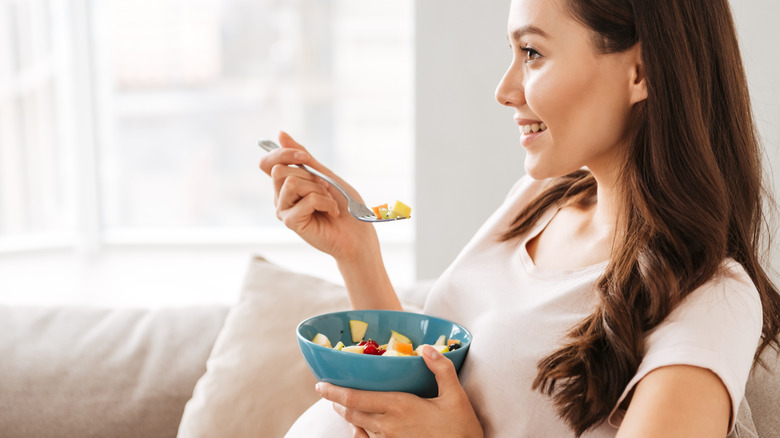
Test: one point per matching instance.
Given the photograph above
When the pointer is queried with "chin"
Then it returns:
(538, 172)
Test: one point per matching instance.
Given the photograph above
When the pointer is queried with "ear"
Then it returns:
(638, 79)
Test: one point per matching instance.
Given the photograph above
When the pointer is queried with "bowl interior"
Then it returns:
(421, 329)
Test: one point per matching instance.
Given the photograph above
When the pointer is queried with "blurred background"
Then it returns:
(128, 131)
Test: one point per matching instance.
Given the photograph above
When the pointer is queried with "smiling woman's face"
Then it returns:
(576, 99)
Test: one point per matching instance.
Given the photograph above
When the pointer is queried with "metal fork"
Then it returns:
(356, 208)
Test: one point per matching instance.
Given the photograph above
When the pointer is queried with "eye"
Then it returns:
(531, 55)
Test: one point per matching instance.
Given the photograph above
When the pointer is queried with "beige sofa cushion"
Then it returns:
(90, 372)
(256, 382)
(763, 394)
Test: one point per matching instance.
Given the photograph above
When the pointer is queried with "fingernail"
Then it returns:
(318, 388)
(431, 352)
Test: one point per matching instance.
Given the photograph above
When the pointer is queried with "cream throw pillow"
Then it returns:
(256, 382)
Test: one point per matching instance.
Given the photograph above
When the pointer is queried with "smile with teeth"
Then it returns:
(536, 127)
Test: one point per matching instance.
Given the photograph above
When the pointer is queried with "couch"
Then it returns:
(209, 371)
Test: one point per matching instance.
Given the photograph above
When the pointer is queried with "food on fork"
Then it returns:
(399, 210)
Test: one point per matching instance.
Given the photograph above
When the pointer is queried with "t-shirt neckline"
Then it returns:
(553, 274)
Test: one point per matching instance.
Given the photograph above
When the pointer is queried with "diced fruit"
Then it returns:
(439, 348)
(399, 337)
(404, 348)
(397, 345)
(378, 210)
(401, 209)
(321, 339)
(372, 342)
(373, 349)
(358, 329)
(353, 349)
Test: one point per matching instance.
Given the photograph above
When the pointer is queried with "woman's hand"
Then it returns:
(308, 205)
(397, 414)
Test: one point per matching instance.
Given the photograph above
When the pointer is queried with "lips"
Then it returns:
(530, 129)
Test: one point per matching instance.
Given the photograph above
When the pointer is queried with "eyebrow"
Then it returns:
(518, 33)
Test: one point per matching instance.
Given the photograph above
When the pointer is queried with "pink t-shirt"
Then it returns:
(518, 313)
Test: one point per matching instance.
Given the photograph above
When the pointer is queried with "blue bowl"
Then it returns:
(378, 373)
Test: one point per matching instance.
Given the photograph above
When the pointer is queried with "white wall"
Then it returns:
(759, 35)
(468, 152)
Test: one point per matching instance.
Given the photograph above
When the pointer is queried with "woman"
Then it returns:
(624, 266)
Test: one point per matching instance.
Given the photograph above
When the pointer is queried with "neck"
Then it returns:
(606, 210)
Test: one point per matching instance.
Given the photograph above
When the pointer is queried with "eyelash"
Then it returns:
(532, 53)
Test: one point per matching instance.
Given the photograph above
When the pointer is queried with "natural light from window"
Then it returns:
(135, 122)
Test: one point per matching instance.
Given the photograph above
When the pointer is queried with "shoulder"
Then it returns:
(724, 315)
(717, 327)
(730, 292)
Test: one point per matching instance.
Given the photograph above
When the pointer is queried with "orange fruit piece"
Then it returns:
(404, 348)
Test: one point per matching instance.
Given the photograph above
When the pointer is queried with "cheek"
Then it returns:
(579, 105)
(556, 95)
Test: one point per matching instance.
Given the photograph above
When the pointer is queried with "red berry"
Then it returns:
(370, 349)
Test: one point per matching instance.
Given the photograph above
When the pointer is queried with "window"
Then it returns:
(136, 121)
(36, 191)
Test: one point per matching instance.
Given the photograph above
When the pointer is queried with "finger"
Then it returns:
(297, 182)
(361, 421)
(286, 141)
(365, 401)
(286, 156)
(443, 369)
(299, 216)
(307, 159)
(358, 432)
(295, 189)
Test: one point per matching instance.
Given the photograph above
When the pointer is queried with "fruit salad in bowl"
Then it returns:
(379, 350)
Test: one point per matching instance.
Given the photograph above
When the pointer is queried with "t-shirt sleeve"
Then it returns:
(717, 327)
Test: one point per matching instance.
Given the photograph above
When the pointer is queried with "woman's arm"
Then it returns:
(367, 282)
(678, 401)
(318, 213)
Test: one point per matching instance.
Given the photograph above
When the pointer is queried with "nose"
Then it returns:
(510, 90)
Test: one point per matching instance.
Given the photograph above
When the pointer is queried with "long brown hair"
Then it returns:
(692, 186)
